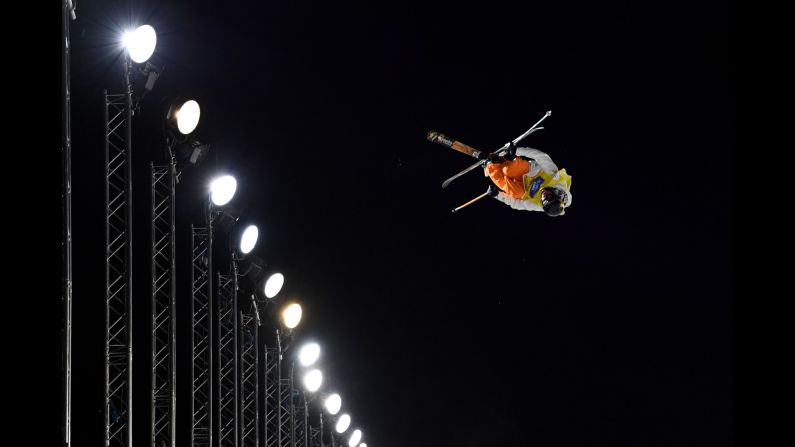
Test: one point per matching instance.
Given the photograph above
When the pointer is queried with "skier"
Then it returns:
(525, 178)
(528, 179)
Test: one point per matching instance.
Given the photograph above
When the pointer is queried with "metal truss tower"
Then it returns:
(118, 265)
(249, 399)
(228, 360)
(163, 291)
(201, 334)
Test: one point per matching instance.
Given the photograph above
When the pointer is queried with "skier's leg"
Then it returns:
(508, 177)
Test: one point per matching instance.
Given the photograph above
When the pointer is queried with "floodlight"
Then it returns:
(273, 285)
(222, 190)
(312, 380)
(355, 438)
(308, 354)
(184, 116)
(343, 423)
(249, 239)
(291, 315)
(333, 403)
(140, 43)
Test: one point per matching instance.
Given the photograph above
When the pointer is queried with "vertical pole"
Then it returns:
(279, 368)
(192, 376)
(128, 248)
(66, 249)
(153, 293)
(107, 272)
(172, 318)
(210, 305)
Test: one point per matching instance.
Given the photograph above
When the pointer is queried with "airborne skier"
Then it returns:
(527, 178)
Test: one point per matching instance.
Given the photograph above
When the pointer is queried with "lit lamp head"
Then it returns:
(183, 116)
(355, 438)
(343, 423)
(140, 44)
(222, 190)
(248, 240)
(273, 285)
(308, 354)
(333, 404)
(291, 315)
(312, 380)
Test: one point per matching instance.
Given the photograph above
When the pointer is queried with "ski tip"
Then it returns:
(549, 113)
(432, 135)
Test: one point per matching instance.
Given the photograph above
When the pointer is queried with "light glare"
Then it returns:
(249, 239)
(343, 423)
(333, 403)
(222, 190)
(274, 284)
(355, 438)
(312, 380)
(292, 315)
(309, 354)
(140, 43)
(188, 117)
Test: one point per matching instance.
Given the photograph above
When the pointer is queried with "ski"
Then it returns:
(444, 140)
(463, 148)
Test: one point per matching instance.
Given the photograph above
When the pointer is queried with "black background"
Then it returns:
(610, 325)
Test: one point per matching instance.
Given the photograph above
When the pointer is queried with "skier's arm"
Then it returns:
(542, 160)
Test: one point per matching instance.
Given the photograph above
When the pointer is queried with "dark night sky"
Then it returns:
(610, 325)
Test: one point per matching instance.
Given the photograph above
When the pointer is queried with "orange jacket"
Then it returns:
(508, 176)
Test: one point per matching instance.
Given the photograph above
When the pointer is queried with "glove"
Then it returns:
(495, 158)
(510, 154)
(492, 191)
(490, 158)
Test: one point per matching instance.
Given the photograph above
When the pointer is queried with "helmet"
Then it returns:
(553, 200)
